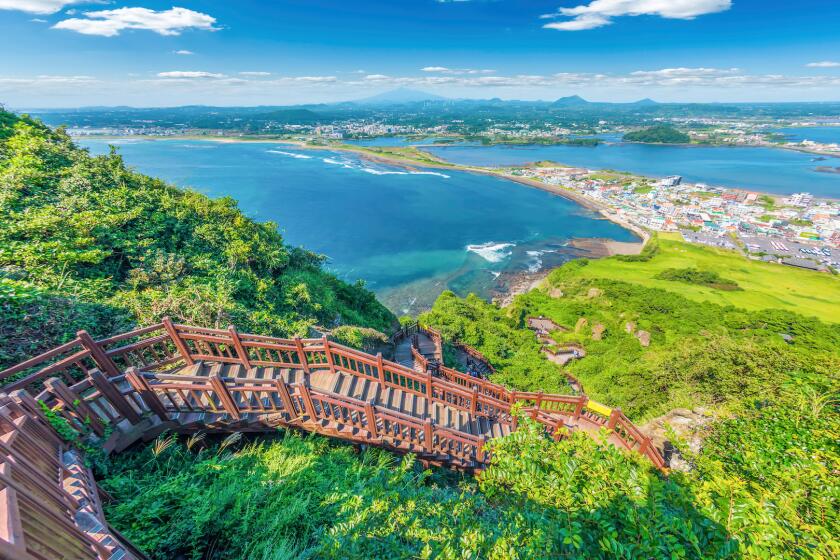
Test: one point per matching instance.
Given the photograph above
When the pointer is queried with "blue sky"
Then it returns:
(64, 53)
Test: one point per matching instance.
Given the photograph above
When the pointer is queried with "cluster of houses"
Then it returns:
(799, 230)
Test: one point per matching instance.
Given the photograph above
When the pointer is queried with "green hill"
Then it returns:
(86, 242)
(658, 135)
(762, 285)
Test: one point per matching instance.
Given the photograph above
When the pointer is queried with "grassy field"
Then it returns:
(764, 285)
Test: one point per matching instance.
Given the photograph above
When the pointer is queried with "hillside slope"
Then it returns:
(86, 242)
(761, 285)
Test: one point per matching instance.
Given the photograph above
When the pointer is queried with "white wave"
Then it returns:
(429, 173)
(491, 251)
(373, 171)
(290, 154)
(535, 261)
(121, 141)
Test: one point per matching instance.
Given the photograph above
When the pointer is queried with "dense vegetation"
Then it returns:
(660, 134)
(750, 496)
(700, 354)
(87, 243)
(692, 275)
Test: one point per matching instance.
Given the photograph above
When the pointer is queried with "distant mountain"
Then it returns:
(399, 96)
(571, 101)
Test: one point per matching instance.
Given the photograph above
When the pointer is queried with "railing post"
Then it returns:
(75, 403)
(370, 415)
(117, 400)
(304, 363)
(474, 402)
(328, 353)
(616, 412)
(427, 435)
(579, 407)
(177, 341)
(380, 366)
(644, 445)
(240, 349)
(144, 389)
(307, 401)
(481, 455)
(103, 361)
(286, 398)
(430, 392)
(224, 395)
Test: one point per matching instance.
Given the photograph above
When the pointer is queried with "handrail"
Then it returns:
(166, 346)
(119, 388)
(50, 506)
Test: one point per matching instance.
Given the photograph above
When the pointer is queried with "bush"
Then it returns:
(98, 240)
(698, 277)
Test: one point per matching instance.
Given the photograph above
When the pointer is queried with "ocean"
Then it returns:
(409, 235)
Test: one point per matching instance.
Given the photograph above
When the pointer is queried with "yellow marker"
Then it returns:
(598, 408)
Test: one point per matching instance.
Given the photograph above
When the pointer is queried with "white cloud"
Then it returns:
(599, 13)
(824, 64)
(455, 71)
(255, 74)
(192, 86)
(190, 75)
(109, 23)
(41, 6)
(313, 79)
(184, 52)
(666, 78)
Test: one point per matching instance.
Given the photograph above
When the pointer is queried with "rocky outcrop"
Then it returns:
(688, 425)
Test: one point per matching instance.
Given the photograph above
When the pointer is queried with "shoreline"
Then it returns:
(362, 151)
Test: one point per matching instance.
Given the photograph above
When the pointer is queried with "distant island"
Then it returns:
(658, 135)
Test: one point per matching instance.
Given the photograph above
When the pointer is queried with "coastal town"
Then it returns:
(797, 230)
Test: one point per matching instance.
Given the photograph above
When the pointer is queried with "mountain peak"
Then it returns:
(571, 100)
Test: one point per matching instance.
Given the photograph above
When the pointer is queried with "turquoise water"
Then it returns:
(408, 235)
(824, 134)
(761, 169)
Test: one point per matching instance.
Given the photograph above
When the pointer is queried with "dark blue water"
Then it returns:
(823, 134)
(760, 169)
(408, 235)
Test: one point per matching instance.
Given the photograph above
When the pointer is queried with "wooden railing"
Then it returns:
(49, 503)
(128, 386)
(81, 379)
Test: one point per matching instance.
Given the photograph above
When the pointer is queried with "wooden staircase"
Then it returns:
(180, 378)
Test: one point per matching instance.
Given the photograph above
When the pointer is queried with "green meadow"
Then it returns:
(763, 285)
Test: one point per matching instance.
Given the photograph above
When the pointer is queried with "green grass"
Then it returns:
(764, 285)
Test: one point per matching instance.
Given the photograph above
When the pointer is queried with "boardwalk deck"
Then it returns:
(183, 378)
